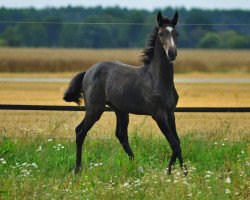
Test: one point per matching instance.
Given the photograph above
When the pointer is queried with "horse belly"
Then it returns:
(129, 103)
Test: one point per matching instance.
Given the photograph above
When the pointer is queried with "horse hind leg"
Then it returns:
(122, 132)
(91, 117)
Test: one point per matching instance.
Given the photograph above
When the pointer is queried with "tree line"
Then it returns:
(72, 27)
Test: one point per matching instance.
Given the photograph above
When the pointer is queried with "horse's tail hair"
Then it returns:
(74, 92)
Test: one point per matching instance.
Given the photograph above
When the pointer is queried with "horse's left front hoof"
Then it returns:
(77, 169)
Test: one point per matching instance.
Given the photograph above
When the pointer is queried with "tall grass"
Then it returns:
(68, 60)
(42, 168)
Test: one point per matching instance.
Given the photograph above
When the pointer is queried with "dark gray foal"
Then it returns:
(145, 90)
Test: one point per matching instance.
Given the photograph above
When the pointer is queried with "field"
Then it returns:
(64, 60)
(37, 148)
(42, 168)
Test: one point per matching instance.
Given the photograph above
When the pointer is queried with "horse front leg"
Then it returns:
(172, 125)
(122, 120)
(161, 119)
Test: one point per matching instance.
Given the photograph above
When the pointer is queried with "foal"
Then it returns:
(144, 90)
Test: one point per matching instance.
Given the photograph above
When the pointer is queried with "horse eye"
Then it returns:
(161, 34)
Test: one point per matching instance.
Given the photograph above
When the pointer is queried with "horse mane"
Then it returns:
(148, 51)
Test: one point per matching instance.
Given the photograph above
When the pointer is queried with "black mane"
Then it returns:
(148, 51)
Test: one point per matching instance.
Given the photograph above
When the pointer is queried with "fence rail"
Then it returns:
(109, 109)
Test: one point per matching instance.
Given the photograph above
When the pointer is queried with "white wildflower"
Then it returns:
(34, 165)
(227, 191)
(242, 152)
(207, 176)
(3, 162)
(140, 169)
(126, 184)
(49, 140)
(39, 148)
(222, 144)
(228, 180)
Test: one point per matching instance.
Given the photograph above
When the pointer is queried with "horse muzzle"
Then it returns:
(172, 54)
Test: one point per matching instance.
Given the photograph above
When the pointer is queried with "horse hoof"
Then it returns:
(169, 170)
(77, 170)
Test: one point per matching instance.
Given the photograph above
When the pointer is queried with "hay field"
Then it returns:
(65, 62)
(191, 94)
(68, 60)
(62, 124)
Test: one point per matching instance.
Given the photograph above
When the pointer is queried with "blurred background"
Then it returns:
(124, 24)
(45, 43)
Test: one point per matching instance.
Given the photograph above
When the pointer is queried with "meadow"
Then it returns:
(41, 168)
(37, 148)
(37, 151)
(68, 60)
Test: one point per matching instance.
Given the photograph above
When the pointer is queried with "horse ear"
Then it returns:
(175, 19)
(159, 18)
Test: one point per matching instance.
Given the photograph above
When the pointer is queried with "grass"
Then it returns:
(42, 168)
(66, 60)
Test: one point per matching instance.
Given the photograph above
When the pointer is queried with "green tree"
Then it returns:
(12, 37)
(33, 35)
(232, 39)
(210, 40)
(239, 42)
(195, 31)
(53, 29)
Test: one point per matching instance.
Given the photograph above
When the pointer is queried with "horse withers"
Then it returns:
(145, 90)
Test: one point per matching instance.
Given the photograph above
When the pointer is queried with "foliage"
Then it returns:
(226, 39)
(55, 32)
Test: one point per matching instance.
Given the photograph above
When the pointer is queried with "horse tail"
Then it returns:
(74, 92)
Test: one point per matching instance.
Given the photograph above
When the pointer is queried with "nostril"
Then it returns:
(172, 51)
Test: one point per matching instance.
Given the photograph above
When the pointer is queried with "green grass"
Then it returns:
(42, 169)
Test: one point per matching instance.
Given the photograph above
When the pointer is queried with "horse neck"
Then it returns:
(160, 68)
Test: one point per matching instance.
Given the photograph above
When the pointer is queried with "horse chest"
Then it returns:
(164, 99)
